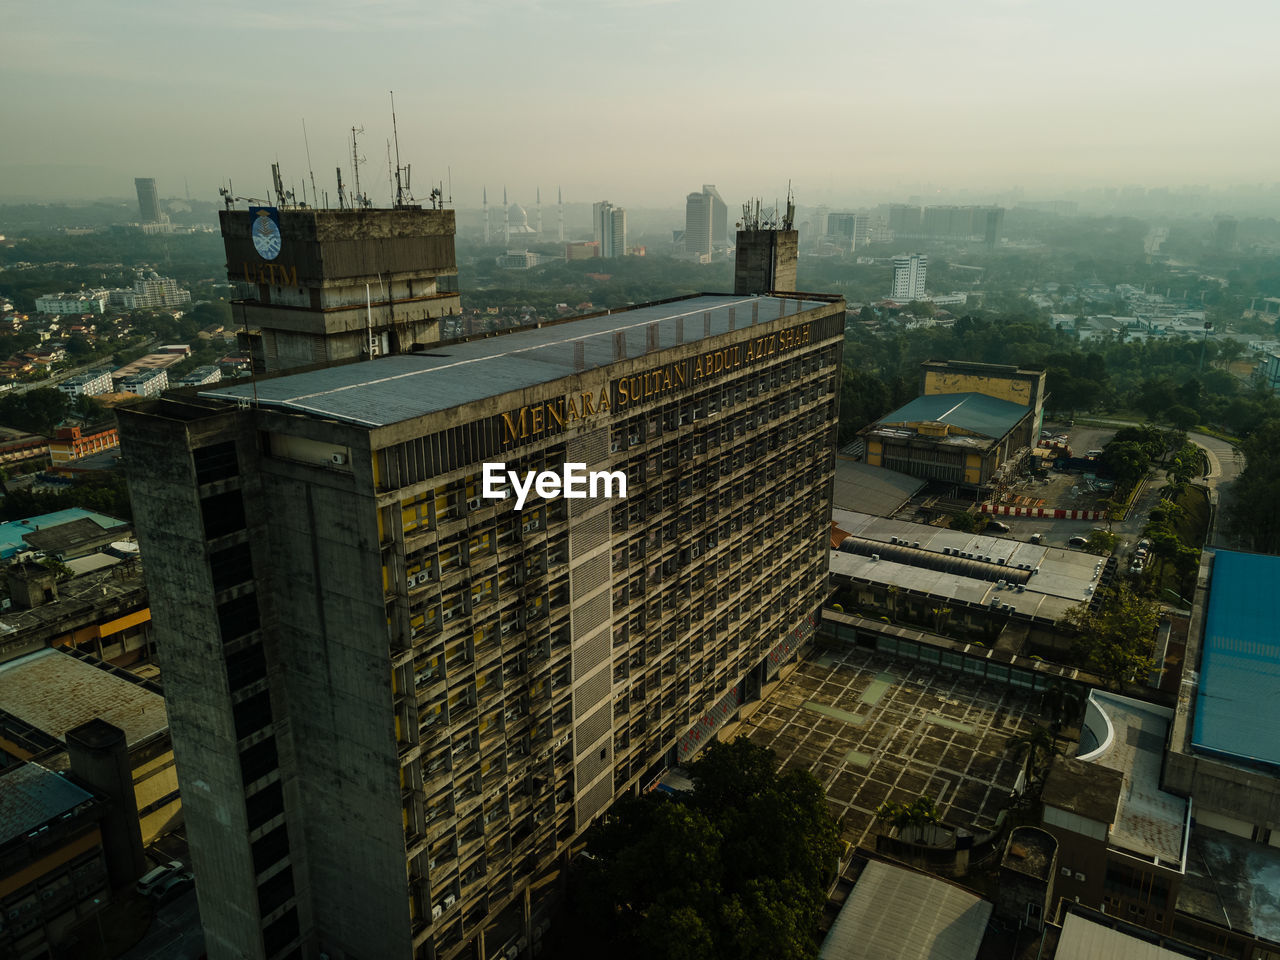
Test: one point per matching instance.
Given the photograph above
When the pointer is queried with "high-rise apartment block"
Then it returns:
(398, 691)
(908, 277)
(697, 224)
(148, 199)
(339, 284)
(609, 228)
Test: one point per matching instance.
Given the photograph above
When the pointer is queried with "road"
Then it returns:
(175, 933)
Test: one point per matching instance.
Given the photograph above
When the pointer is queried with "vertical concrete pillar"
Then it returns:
(100, 759)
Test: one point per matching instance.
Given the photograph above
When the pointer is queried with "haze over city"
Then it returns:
(638, 100)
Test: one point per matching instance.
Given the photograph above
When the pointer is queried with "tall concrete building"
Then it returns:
(908, 276)
(697, 224)
(399, 691)
(336, 285)
(609, 228)
(148, 199)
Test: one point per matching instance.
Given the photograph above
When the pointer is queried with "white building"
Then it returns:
(91, 384)
(908, 277)
(149, 383)
(151, 290)
(201, 376)
(610, 228)
(84, 301)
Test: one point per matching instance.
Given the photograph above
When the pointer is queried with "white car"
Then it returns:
(154, 878)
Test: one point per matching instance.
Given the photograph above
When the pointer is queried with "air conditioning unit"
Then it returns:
(338, 459)
(425, 576)
(946, 551)
(916, 544)
(447, 615)
(412, 582)
(614, 446)
(436, 911)
(449, 901)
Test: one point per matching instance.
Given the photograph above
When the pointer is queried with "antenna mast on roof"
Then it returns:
(401, 189)
(315, 194)
(358, 199)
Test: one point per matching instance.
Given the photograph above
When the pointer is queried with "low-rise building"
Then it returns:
(53, 869)
(149, 383)
(74, 303)
(45, 694)
(200, 376)
(73, 443)
(90, 384)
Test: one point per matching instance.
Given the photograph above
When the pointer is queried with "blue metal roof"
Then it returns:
(974, 412)
(11, 533)
(30, 795)
(1240, 664)
(397, 388)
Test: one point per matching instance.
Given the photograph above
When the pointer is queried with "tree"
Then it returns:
(737, 869)
(1116, 640)
(967, 522)
(1183, 418)
(1101, 542)
(920, 812)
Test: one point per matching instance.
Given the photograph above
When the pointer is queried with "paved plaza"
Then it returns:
(872, 728)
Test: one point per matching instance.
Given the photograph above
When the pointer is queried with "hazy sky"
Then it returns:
(640, 101)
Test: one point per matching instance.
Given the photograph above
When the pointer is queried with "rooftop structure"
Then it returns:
(1026, 579)
(1240, 666)
(31, 795)
(53, 692)
(896, 912)
(1127, 736)
(862, 487)
(1085, 939)
(13, 534)
(339, 284)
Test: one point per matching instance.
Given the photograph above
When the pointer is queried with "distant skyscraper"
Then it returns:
(148, 200)
(719, 215)
(908, 277)
(560, 204)
(610, 228)
(697, 224)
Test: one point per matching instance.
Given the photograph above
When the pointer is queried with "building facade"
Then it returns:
(148, 199)
(697, 224)
(60, 304)
(148, 383)
(404, 698)
(908, 277)
(609, 229)
(91, 384)
(150, 291)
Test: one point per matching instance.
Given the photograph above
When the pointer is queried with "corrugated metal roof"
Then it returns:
(1083, 939)
(56, 692)
(860, 486)
(12, 533)
(31, 795)
(392, 389)
(975, 412)
(1240, 663)
(893, 912)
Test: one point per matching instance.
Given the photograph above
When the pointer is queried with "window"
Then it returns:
(274, 892)
(259, 760)
(246, 666)
(265, 804)
(238, 616)
(252, 714)
(231, 566)
(222, 513)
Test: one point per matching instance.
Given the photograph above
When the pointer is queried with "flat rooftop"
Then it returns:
(1149, 821)
(13, 533)
(31, 795)
(1082, 939)
(975, 413)
(1233, 880)
(56, 692)
(1235, 714)
(872, 727)
(896, 912)
(1059, 580)
(389, 390)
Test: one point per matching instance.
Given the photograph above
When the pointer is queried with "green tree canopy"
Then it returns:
(1115, 642)
(737, 869)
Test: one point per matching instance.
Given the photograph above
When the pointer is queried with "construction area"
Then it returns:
(873, 728)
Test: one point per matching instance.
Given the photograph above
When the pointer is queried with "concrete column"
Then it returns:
(100, 759)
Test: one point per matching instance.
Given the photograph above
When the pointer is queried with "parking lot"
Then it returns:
(872, 728)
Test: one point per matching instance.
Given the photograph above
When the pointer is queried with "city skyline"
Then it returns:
(997, 95)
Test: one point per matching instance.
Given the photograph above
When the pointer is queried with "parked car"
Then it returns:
(173, 886)
(998, 526)
(1037, 537)
(150, 880)
(1078, 541)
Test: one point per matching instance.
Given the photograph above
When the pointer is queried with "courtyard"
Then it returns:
(873, 728)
